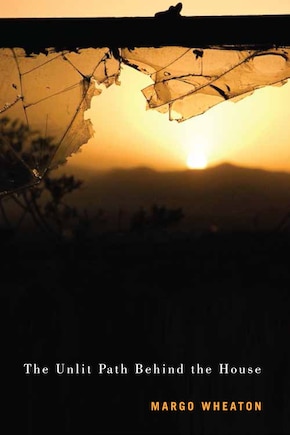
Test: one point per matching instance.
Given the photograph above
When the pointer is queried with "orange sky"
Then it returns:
(253, 132)
(109, 8)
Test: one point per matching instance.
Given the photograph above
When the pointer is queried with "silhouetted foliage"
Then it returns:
(24, 158)
(159, 218)
(24, 154)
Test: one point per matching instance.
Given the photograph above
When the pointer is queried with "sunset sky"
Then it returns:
(254, 132)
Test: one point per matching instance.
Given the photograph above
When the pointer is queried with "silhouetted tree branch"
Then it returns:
(159, 218)
(24, 154)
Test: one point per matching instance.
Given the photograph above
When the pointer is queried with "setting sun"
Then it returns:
(197, 159)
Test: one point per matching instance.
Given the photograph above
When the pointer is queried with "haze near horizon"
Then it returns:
(253, 132)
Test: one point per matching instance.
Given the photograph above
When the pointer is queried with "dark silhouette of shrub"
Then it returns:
(25, 174)
(159, 218)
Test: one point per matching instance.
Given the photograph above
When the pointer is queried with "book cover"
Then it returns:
(145, 279)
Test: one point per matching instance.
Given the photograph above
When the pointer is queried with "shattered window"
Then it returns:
(43, 97)
(189, 81)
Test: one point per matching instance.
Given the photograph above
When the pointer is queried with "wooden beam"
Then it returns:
(37, 34)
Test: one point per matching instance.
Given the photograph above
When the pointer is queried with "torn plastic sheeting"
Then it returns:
(189, 81)
(43, 99)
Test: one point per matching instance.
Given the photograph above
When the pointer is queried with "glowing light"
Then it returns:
(197, 159)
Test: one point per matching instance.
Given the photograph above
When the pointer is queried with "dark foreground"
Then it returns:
(207, 299)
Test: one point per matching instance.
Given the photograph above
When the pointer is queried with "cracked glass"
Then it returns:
(44, 97)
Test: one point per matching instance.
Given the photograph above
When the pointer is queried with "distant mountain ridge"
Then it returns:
(226, 195)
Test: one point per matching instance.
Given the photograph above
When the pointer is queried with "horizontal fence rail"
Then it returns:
(37, 34)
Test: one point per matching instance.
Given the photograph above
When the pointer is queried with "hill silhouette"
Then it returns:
(227, 196)
(129, 298)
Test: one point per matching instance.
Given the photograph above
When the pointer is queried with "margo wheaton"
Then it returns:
(206, 406)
